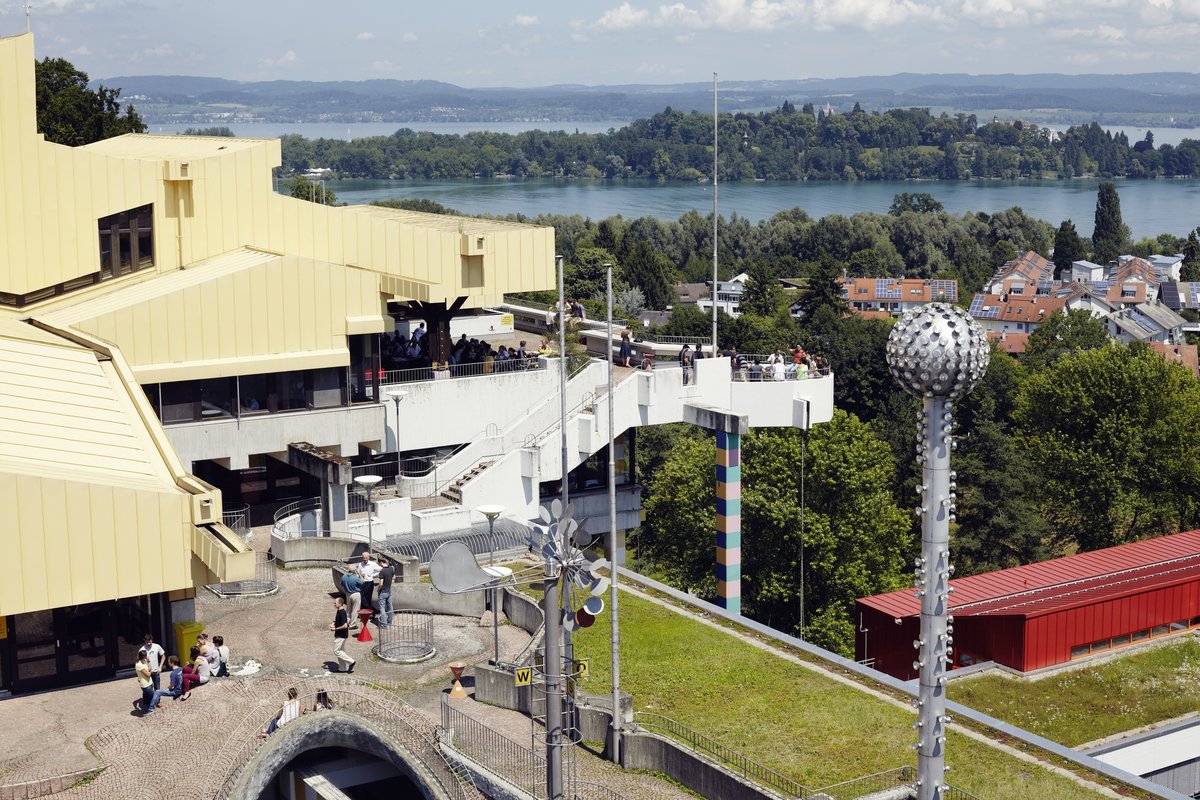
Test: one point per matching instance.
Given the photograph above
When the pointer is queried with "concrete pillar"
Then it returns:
(729, 521)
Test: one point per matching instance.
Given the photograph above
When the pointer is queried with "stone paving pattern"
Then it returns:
(49, 740)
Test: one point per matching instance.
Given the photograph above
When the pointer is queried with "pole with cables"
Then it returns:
(714, 287)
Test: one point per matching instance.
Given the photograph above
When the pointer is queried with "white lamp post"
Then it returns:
(369, 481)
(492, 512)
(397, 395)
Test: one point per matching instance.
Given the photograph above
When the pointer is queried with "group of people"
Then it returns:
(796, 365)
(492, 359)
(206, 660)
(360, 585)
(291, 710)
(574, 310)
(401, 352)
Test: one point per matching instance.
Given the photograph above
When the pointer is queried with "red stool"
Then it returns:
(364, 616)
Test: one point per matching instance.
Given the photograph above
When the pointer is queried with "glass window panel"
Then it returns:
(327, 386)
(1118, 641)
(255, 394)
(1141, 636)
(178, 402)
(216, 398)
(1100, 645)
(1159, 630)
(1080, 650)
(294, 395)
(1179, 625)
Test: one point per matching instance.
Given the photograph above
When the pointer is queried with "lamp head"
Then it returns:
(491, 511)
(368, 481)
(937, 350)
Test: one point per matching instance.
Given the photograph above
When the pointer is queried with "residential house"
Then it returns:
(1148, 322)
(729, 296)
(894, 296)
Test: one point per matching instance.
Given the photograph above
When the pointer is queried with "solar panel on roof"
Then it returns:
(1170, 296)
(886, 288)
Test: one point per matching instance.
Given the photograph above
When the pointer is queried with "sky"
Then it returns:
(538, 42)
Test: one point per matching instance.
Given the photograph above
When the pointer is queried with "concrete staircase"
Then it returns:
(453, 492)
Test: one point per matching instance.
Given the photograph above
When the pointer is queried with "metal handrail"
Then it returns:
(292, 509)
(472, 369)
(791, 372)
(369, 701)
(750, 770)
(869, 784)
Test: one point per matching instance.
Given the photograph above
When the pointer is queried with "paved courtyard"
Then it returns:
(92, 741)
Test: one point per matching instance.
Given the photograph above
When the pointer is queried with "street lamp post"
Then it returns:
(397, 395)
(491, 512)
(369, 482)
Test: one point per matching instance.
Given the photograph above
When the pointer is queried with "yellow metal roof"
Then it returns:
(159, 285)
(65, 414)
(163, 147)
(444, 222)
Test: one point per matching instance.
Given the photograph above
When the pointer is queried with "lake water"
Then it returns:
(1148, 207)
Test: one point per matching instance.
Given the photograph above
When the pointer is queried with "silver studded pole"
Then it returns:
(937, 353)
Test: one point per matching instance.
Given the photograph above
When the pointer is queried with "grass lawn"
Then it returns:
(804, 725)
(1089, 703)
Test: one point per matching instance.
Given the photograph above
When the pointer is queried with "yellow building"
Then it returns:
(160, 279)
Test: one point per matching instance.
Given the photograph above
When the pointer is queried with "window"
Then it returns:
(126, 242)
(1078, 651)
(1141, 636)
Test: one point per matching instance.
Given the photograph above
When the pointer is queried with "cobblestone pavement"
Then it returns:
(53, 742)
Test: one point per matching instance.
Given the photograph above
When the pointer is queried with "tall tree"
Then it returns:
(302, 188)
(1191, 258)
(1110, 233)
(1068, 248)
(821, 289)
(70, 113)
(649, 271)
(1108, 432)
(1064, 332)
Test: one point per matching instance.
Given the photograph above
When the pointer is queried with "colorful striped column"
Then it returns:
(729, 521)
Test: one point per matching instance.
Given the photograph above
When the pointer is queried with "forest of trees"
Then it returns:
(785, 144)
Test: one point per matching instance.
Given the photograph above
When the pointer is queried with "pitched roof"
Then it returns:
(911, 290)
(1185, 354)
(1076, 580)
(1136, 268)
(1009, 342)
(1127, 291)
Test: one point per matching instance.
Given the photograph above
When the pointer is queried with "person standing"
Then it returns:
(383, 605)
(341, 632)
(155, 654)
(685, 362)
(223, 657)
(626, 349)
(142, 668)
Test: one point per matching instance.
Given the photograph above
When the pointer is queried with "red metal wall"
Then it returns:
(1020, 643)
(1049, 638)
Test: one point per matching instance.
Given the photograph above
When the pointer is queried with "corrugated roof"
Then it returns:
(156, 286)
(444, 222)
(1060, 583)
(163, 147)
(66, 414)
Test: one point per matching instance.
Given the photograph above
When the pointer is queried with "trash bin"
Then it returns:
(186, 632)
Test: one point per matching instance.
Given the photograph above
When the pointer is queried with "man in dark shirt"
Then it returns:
(341, 632)
(384, 604)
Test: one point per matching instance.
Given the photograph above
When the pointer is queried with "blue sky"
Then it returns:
(535, 42)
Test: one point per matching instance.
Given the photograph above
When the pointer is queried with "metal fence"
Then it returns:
(237, 519)
(263, 583)
(407, 639)
(791, 371)
(509, 536)
(471, 370)
(382, 709)
(735, 761)
(301, 518)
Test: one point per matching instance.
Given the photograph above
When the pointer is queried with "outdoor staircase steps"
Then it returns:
(453, 492)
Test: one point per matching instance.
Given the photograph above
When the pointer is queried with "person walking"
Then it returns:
(155, 654)
(142, 668)
(341, 632)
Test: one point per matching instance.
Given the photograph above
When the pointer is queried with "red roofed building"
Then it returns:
(1048, 613)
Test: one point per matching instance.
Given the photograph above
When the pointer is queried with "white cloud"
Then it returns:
(82, 50)
(159, 51)
(384, 66)
(287, 58)
(525, 20)
(622, 17)
(408, 36)
(365, 36)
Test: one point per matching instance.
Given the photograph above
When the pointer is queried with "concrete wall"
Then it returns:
(337, 429)
(522, 611)
(465, 407)
(656, 753)
(309, 550)
(423, 597)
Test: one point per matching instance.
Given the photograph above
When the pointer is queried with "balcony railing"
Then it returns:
(472, 370)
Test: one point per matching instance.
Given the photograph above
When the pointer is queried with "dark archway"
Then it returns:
(332, 730)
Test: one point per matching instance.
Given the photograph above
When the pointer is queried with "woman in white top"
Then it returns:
(287, 713)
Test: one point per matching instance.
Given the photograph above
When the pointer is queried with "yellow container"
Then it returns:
(186, 632)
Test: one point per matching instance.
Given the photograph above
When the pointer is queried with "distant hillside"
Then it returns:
(1164, 97)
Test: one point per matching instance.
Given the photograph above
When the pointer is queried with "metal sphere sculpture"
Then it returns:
(937, 351)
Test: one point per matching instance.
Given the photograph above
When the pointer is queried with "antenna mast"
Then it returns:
(28, 11)
(714, 286)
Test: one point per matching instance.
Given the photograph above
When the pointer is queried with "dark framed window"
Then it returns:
(126, 242)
